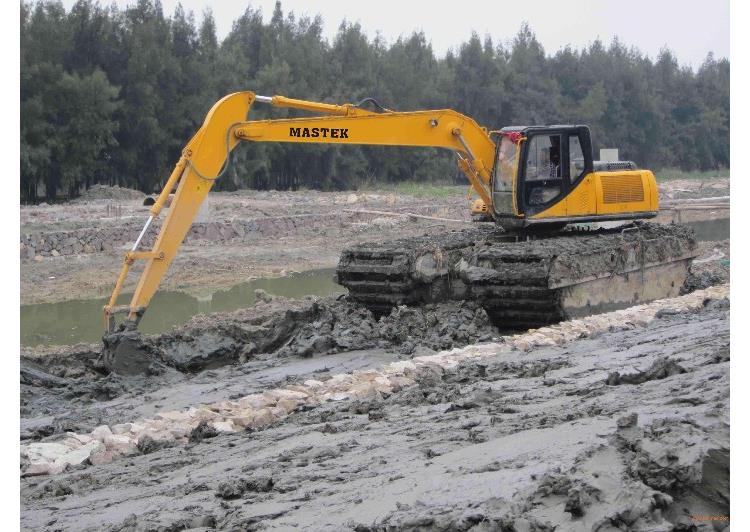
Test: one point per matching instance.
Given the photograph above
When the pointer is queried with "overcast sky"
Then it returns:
(691, 28)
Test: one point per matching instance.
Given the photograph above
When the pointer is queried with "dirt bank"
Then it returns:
(625, 428)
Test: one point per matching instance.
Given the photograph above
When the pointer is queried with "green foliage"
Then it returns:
(112, 95)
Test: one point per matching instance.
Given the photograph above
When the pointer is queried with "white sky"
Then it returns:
(690, 28)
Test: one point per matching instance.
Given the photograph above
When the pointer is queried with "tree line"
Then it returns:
(112, 95)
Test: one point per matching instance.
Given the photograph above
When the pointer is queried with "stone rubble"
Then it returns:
(256, 411)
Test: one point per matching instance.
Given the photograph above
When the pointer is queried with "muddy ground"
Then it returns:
(67, 388)
(202, 268)
(624, 430)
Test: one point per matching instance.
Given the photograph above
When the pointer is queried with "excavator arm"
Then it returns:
(206, 155)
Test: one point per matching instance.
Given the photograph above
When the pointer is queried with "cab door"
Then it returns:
(557, 179)
(543, 185)
(504, 177)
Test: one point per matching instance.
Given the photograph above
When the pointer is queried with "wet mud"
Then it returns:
(276, 335)
(535, 439)
(710, 268)
(69, 388)
(625, 429)
(282, 328)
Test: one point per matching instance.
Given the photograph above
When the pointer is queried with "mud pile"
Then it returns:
(104, 192)
(276, 327)
(710, 268)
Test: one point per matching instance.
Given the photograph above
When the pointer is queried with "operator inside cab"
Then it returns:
(543, 169)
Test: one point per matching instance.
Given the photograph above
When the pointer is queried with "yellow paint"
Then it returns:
(607, 193)
(437, 128)
(206, 151)
(625, 192)
(519, 149)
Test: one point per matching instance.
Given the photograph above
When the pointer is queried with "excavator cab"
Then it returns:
(546, 176)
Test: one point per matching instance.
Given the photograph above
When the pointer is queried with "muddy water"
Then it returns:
(74, 321)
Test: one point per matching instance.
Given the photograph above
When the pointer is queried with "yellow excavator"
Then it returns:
(526, 268)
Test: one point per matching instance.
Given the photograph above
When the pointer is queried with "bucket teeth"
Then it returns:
(527, 283)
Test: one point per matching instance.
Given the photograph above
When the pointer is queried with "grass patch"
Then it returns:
(671, 174)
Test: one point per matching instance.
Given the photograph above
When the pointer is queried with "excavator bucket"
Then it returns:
(125, 353)
(203, 160)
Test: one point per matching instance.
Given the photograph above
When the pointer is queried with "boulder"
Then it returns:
(43, 451)
(174, 416)
(289, 405)
(279, 394)
(224, 426)
(202, 414)
(262, 418)
(255, 401)
(101, 433)
(243, 418)
(42, 468)
(80, 455)
(104, 457)
(121, 444)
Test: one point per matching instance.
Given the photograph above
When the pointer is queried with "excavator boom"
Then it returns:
(206, 156)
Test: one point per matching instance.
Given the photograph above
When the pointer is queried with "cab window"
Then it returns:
(543, 178)
(543, 158)
(577, 163)
(506, 165)
(505, 173)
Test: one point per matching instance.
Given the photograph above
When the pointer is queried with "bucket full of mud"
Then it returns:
(127, 353)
